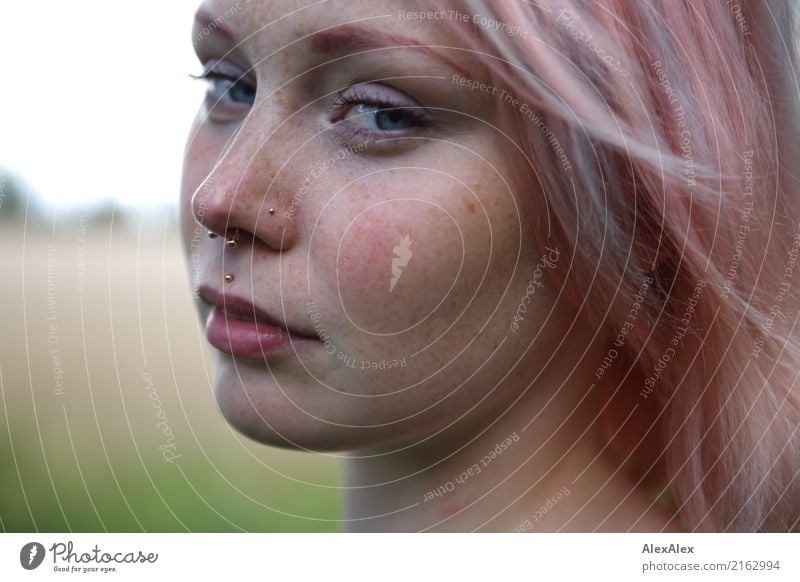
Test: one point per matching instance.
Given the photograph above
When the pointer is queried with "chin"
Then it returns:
(255, 405)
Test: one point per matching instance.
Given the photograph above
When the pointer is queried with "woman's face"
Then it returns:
(396, 252)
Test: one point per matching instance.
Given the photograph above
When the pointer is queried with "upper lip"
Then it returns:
(235, 305)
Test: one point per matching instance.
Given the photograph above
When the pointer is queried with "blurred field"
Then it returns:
(96, 324)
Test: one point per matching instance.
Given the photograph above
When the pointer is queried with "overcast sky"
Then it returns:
(96, 100)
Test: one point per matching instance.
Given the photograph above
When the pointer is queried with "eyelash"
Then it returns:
(223, 97)
(343, 103)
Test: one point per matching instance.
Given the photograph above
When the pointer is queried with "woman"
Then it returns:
(531, 265)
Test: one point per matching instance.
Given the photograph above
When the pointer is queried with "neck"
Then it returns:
(538, 464)
(541, 453)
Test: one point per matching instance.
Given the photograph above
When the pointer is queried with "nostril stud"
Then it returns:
(212, 234)
(228, 278)
(272, 211)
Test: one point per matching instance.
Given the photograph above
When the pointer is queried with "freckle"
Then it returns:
(471, 207)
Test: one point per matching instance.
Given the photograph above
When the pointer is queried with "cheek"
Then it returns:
(396, 263)
(406, 263)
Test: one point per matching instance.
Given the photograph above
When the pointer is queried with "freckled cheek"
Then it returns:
(396, 264)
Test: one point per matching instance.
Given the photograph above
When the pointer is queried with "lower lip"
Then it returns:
(247, 339)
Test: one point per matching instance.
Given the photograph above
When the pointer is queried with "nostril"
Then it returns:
(221, 210)
(232, 236)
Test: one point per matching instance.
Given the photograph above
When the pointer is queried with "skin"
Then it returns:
(448, 185)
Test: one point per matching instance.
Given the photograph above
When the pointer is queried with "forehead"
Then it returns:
(261, 28)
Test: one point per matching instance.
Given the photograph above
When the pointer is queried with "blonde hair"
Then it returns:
(662, 139)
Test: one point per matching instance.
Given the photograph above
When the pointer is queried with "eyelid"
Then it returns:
(378, 94)
(226, 80)
(218, 68)
(383, 96)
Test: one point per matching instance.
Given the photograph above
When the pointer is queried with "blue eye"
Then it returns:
(377, 109)
(221, 87)
(376, 116)
(228, 86)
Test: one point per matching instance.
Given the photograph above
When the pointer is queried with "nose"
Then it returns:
(242, 193)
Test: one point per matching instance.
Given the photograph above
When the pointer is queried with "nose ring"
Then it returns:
(233, 241)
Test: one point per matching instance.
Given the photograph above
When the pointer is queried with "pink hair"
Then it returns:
(663, 147)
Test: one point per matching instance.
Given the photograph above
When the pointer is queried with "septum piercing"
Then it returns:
(233, 241)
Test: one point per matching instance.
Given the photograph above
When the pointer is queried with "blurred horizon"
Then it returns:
(106, 398)
(106, 117)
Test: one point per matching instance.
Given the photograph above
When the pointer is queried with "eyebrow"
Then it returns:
(344, 38)
(211, 24)
(351, 38)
